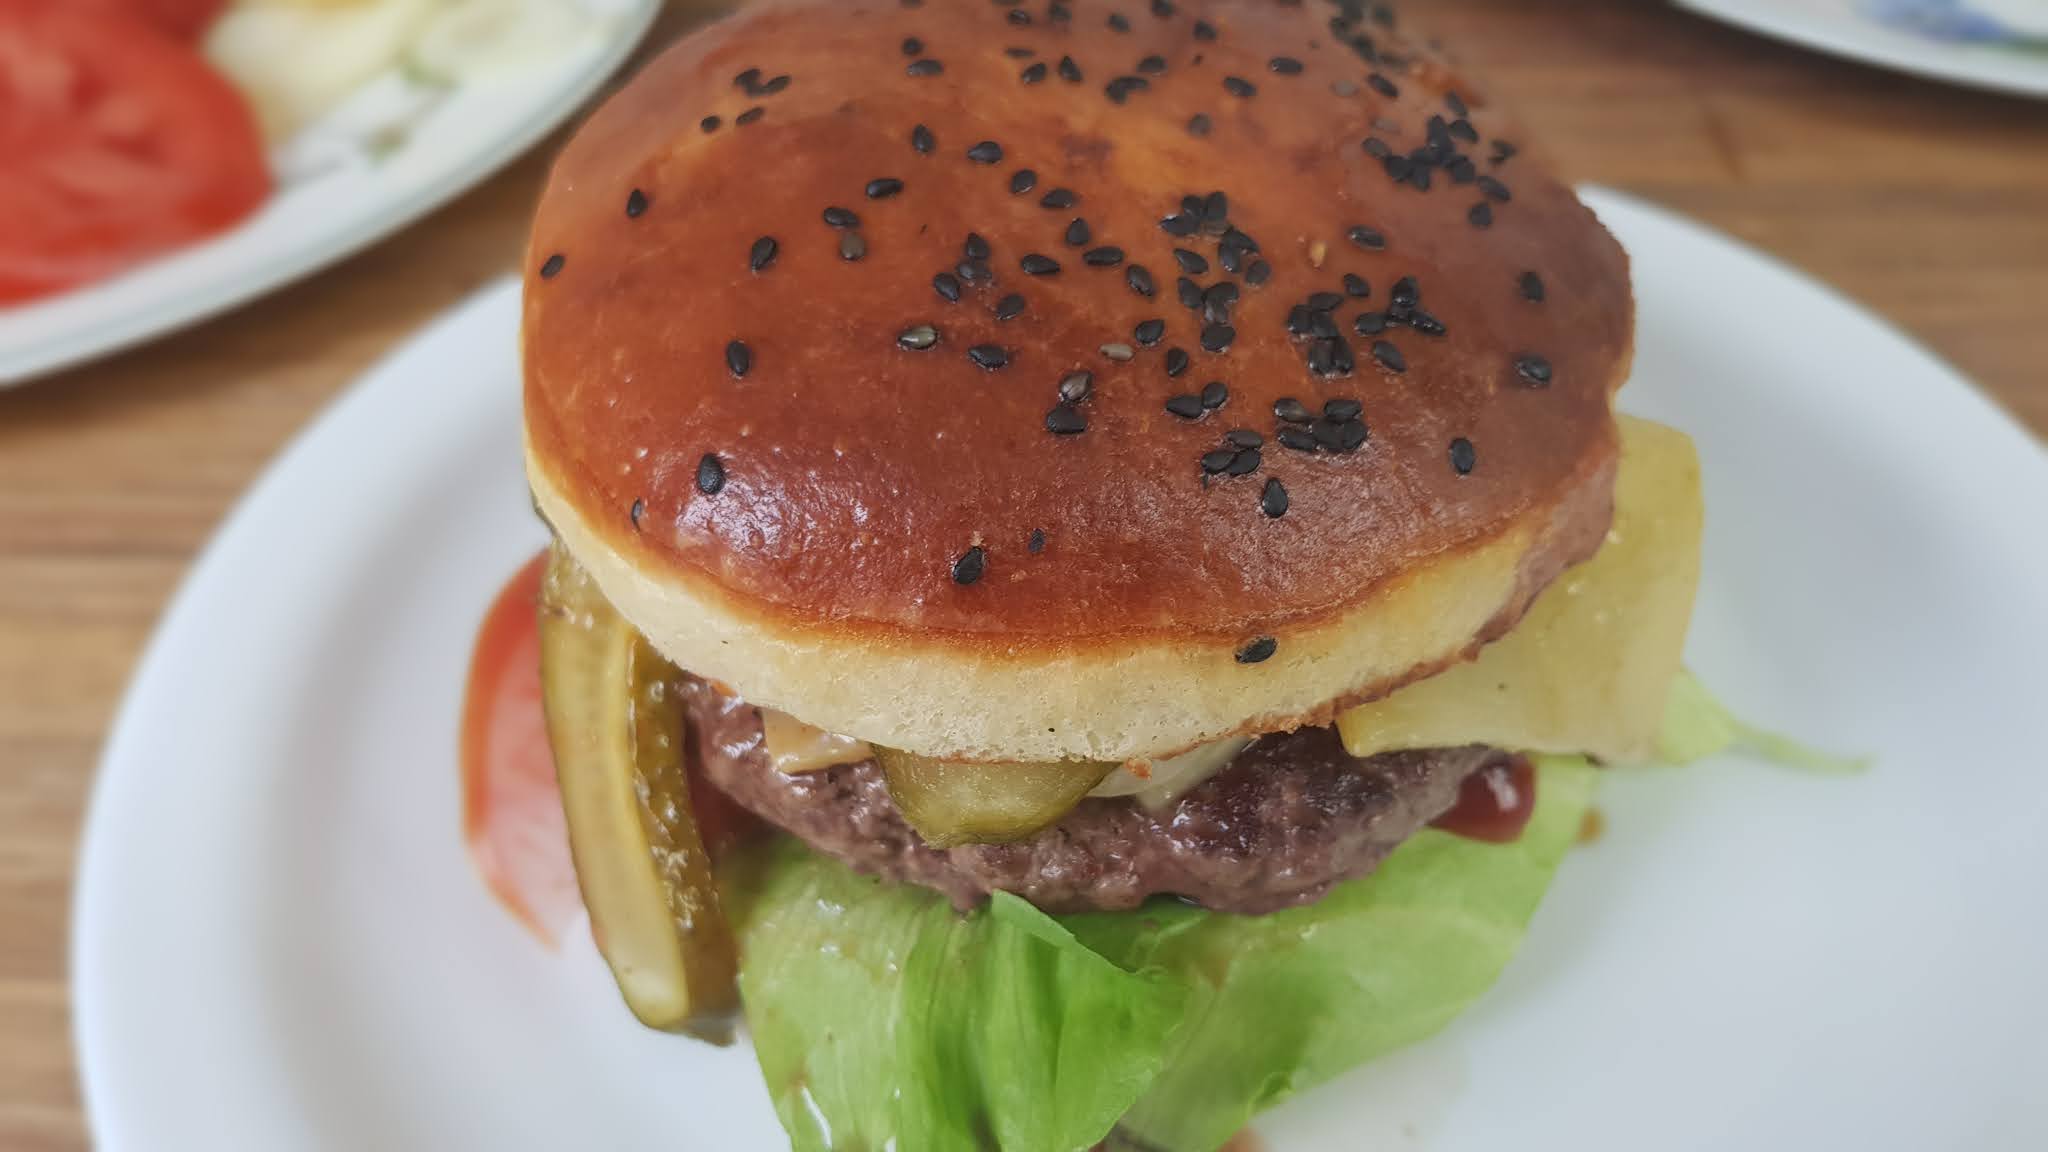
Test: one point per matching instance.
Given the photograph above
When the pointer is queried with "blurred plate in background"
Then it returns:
(280, 942)
(411, 138)
(1947, 40)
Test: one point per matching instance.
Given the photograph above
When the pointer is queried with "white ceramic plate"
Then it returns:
(391, 154)
(1845, 28)
(280, 943)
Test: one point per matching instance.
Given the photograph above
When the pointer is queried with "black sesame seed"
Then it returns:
(1300, 321)
(1065, 420)
(1322, 325)
(710, 474)
(1493, 189)
(772, 87)
(986, 152)
(709, 124)
(1199, 124)
(918, 338)
(1215, 209)
(1078, 232)
(1010, 307)
(1187, 407)
(1219, 461)
(1139, 278)
(1273, 501)
(1120, 89)
(1205, 31)
(925, 66)
(1176, 362)
(1369, 239)
(1258, 651)
(989, 357)
(1069, 71)
(1192, 263)
(552, 266)
(1239, 87)
(1456, 104)
(1329, 434)
(749, 116)
(1180, 225)
(636, 203)
(1389, 356)
(1325, 301)
(884, 187)
(1532, 287)
(1244, 438)
(1534, 371)
(739, 359)
(852, 246)
(1481, 215)
(1285, 65)
(1218, 337)
(1356, 286)
(1118, 23)
(638, 510)
(1215, 394)
(1035, 264)
(1163, 9)
(974, 271)
(947, 285)
(1342, 409)
(1383, 86)
(1059, 198)
(841, 217)
(1077, 386)
(1023, 180)
(976, 247)
(921, 139)
(1503, 151)
(1297, 438)
(747, 79)
(1247, 462)
(1107, 256)
(1034, 73)
(1406, 292)
(1018, 16)
(1190, 293)
(762, 254)
(1462, 170)
(1037, 544)
(1377, 148)
(912, 46)
(1426, 323)
(1258, 273)
(1149, 332)
(1291, 410)
(1463, 456)
(969, 567)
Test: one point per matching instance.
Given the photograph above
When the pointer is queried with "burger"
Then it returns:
(1131, 496)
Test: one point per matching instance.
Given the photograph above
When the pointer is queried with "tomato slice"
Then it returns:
(511, 809)
(185, 19)
(117, 143)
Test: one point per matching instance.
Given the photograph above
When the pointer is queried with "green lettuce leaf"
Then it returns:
(1697, 726)
(877, 1012)
(1285, 1002)
(884, 1019)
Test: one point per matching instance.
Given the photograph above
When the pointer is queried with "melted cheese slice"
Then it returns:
(1588, 669)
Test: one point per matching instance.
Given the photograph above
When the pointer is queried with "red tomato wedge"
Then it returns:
(117, 143)
(185, 19)
(511, 810)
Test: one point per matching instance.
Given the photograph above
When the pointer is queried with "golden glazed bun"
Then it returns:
(1083, 380)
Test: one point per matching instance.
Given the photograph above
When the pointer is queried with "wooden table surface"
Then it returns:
(1928, 204)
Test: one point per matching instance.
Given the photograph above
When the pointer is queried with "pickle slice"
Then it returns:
(951, 804)
(616, 726)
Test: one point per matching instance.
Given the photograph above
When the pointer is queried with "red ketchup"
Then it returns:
(1495, 803)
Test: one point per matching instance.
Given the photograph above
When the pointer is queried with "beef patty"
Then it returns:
(1293, 815)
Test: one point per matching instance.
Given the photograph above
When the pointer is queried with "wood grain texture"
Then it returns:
(1922, 202)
